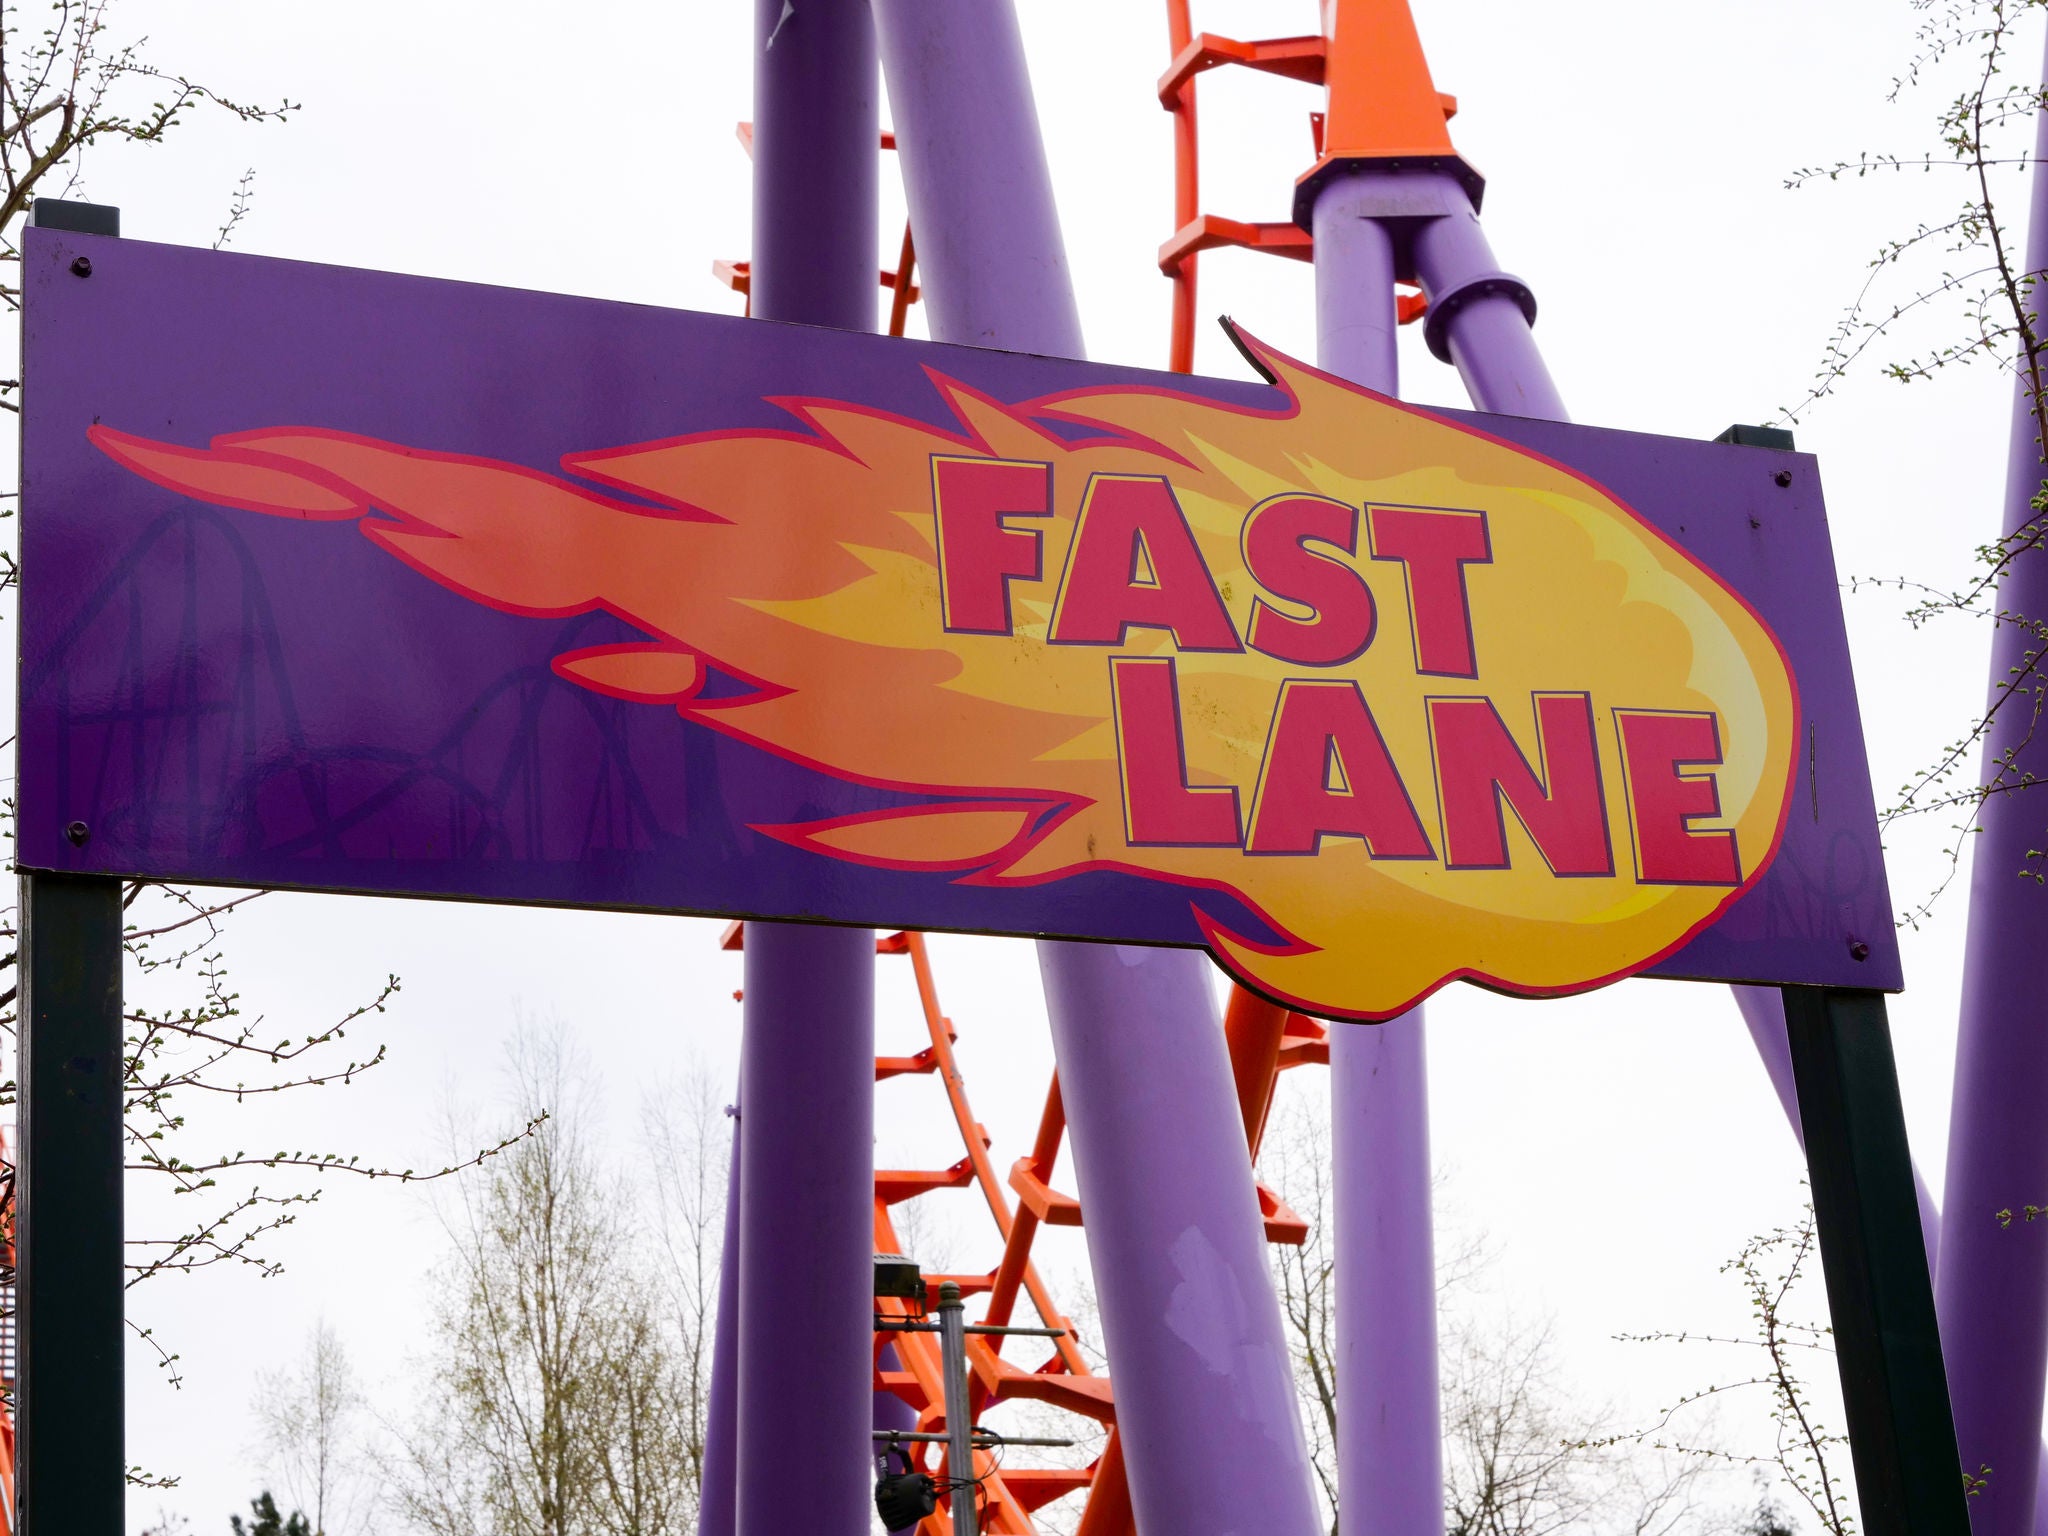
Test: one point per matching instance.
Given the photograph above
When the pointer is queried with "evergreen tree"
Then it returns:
(268, 1522)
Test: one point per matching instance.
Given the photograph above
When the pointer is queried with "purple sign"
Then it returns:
(338, 580)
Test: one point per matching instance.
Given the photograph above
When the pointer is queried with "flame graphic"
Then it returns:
(805, 562)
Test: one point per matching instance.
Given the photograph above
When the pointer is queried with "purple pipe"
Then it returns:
(716, 1489)
(994, 269)
(1203, 1383)
(891, 1412)
(1356, 330)
(1389, 1442)
(1479, 316)
(1389, 1435)
(1991, 1286)
(806, 1228)
(817, 171)
(806, 1270)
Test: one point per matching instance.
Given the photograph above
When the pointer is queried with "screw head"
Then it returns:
(1783, 477)
(81, 266)
(1858, 950)
(77, 833)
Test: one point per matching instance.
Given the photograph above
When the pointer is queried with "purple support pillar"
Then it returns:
(974, 172)
(891, 1412)
(1356, 330)
(1199, 1356)
(1197, 1350)
(806, 1271)
(817, 172)
(716, 1490)
(1389, 1442)
(1991, 1286)
(1389, 1435)
(806, 1228)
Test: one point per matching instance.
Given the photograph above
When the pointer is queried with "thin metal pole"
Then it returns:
(1991, 1283)
(1174, 1234)
(1902, 1437)
(70, 1460)
(959, 1411)
(1389, 1443)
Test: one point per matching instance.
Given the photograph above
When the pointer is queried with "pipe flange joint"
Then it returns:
(1418, 169)
(1443, 307)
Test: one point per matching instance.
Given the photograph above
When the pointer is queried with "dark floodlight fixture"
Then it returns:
(905, 1497)
(899, 1277)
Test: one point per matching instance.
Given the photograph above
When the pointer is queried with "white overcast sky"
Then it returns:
(1613, 1150)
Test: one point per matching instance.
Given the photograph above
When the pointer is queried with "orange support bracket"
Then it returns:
(1383, 111)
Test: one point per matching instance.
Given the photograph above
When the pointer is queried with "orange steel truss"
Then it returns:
(1381, 106)
(1264, 1040)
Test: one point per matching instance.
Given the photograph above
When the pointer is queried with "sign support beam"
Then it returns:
(1894, 1389)
(71, 1469)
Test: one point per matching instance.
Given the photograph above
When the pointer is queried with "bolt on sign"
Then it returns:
(346, 581)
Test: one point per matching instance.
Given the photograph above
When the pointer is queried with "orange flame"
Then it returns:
(806, 562)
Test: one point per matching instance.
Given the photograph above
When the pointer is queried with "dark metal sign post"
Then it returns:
(1902, 1434)
(70, 1469)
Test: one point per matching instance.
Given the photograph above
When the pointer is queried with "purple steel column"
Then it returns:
(1356, 331)
(1199, 1356)
(806, 1329)
(721, 1419)
(974, 172)
(1389, 1435)
(1203, 1386)
(817, 172)
(806, 1229)
(1991, 1287)
(1389, 1441)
